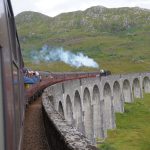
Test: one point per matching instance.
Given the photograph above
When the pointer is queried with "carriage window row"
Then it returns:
(12, 33)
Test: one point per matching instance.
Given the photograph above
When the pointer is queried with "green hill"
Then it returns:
(118, 39)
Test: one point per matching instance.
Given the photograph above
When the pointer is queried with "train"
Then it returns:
(12, 108)
(13, 97)
(64, 75)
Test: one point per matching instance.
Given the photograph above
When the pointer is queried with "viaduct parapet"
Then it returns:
(89, 105)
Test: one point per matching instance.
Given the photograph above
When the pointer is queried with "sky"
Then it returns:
(55, 7)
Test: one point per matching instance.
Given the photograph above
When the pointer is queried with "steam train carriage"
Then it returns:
(11, 81)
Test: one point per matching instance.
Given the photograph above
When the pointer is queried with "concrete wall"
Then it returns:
(90, 104)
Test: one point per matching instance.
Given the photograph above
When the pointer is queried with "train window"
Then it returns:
(12, 31)
(19, 53)
(1, 106)
(16, 83)
(13, 38)
(1, 19)
(10, 8)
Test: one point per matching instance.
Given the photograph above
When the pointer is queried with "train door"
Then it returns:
(9, 103)
(2, 129)
(11, 91)
(16, 77)
(1, 107)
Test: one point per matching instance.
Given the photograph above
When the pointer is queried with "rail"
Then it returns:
(35, 89)
(66, 137)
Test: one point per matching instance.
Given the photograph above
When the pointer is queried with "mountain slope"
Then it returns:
(94, 19)
(104, 34)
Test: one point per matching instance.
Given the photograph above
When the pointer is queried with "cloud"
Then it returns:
(55, 7)
(19, 5)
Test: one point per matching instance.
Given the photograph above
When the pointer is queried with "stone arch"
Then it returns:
(127, 91)
(78, 112)
(109, 113)
(60, 108)
(51, 100)
(88, 116)
(136, 88)
(146, 84)
(97, 114)
(117, 97)
(69, 111)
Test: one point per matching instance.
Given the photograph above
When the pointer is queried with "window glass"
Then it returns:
(13, 38)
(16, 101)
(1, 19)
(12, 32)
(1, 33)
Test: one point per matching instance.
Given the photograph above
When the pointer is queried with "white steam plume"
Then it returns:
(58, 54)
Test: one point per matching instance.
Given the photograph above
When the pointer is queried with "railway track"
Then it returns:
(34, 133)
(34, 137)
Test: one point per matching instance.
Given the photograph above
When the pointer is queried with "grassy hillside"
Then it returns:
(133, 128)
(118, 39)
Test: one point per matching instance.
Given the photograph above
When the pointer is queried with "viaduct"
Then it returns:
(89, 105)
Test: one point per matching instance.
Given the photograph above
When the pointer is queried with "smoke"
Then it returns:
(48, 54)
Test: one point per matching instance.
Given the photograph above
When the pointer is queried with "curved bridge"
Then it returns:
(90, 104)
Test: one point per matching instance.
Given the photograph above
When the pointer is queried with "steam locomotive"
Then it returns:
(11, 82)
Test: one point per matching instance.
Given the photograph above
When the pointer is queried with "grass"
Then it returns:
(120, 53)
(56, 67)
(133, 128)
(116, 67)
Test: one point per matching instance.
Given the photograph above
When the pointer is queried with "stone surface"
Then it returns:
(62, 136)
(90, 104)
